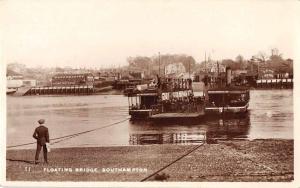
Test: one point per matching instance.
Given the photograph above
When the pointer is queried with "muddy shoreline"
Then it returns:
(267, 160)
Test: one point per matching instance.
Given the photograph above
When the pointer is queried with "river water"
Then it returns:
(270, 116)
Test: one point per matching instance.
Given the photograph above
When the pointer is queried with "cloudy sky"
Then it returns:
(84, 33)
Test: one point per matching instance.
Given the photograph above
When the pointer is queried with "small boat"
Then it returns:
(10, 91)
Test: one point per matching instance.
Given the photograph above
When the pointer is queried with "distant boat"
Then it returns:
(10, 91)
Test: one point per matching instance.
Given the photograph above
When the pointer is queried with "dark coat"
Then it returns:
(41, 134)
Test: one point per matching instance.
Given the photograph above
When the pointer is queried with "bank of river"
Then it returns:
(257, 160)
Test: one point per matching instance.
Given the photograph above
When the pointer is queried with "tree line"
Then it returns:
(259, 61)
(152, 65)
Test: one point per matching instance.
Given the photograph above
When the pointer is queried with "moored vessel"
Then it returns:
(172, 100)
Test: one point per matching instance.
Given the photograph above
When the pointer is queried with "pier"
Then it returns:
(275, 83)
(61, 90)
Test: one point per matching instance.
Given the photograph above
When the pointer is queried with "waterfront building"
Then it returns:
(17, 83)
(267, 74)
(214, 67)
(13, 75)
(175, 69)
(16, 80)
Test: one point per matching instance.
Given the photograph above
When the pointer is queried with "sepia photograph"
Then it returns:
(150, 93)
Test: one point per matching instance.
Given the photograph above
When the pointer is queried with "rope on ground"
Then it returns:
(71, 135)
(166, 166)
(67, 138)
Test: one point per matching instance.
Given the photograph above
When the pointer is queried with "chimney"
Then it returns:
(228, 76)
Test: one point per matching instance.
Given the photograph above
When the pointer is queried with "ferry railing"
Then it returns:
(178, 107)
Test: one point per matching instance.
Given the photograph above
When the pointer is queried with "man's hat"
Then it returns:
(41, 121)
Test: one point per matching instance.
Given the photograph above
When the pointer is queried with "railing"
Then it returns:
(178, 107)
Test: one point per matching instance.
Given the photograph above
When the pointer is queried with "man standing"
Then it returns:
(41, 135)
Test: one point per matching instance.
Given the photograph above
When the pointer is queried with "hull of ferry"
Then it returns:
(227, 110)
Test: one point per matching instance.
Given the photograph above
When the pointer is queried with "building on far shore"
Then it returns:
(17, 83)
(16, 80)
(174, 70)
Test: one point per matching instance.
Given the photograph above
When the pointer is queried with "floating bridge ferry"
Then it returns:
(174, 99)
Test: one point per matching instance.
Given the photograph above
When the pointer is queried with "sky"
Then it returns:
(101, 34)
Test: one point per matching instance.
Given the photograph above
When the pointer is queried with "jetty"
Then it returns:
(60, 90)
(21, 91)
(286, 83)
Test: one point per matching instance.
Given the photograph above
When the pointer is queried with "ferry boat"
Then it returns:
(173, 99)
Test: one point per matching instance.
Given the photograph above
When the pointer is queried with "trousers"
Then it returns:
(38, 150)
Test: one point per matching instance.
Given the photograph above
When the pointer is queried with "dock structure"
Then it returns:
(61, 90)
(21, 91)
(275, 83)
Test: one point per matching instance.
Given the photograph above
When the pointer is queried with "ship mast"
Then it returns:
(159, 64)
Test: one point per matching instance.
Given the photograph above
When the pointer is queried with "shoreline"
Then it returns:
(120, 92)
(231, 160)
(213, 140)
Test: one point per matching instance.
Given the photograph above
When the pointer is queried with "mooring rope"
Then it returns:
(71, 135)
(177, 159)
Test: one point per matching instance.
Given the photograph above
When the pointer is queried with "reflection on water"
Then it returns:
(220, 128)
(270, 116)
(228, 128)
(167, 138)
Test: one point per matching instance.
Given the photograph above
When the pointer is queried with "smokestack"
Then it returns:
(228, 76)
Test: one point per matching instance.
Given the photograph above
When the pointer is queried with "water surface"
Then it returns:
(270, 116)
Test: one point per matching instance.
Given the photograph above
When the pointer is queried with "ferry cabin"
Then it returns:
(140, 104)
(227, 100)
(148, 101)
(144, 105)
